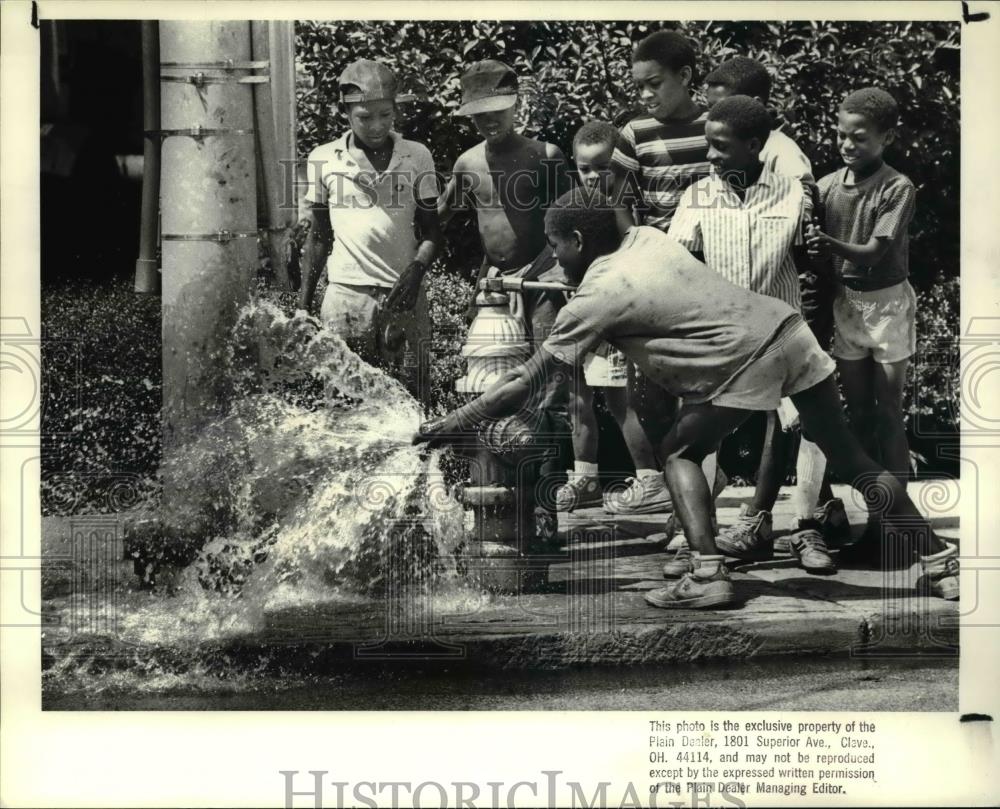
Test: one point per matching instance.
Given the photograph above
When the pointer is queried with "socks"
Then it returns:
(710, 467)
(936, 560)
(582, 469)
(646, 473)
(706, 565)
(810, 467)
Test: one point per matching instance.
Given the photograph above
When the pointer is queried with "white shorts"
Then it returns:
(606, 367)
(880, 323)
(790, 364)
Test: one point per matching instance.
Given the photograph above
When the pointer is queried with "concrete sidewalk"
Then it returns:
(591, 609)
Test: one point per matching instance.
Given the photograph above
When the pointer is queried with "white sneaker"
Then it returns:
(579, 493)
(645, 495)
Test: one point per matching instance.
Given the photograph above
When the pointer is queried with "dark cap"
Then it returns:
(371, 81)
(488, 86)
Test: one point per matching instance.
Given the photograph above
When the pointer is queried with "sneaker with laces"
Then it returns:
(833, 524)
(578, 493)
(808, 547)
(644, 495)
(681, 563)
(750, 538)
(941, 573)
(705, 587)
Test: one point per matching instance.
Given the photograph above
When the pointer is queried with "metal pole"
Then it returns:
(147, 276)
(279, 218)
(209, 218)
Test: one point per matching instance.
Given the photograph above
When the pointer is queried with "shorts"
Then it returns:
(790, 364)
(352, 312)
(880, 323)
(606, 367)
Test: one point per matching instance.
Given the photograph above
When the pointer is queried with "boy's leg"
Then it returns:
(696, 432)
(642, 452)
(704, 581)
(773, 461)
(654, 408)
(585, 431)
(822, 416)
(889, 380)
(646, 493)
(810, 473)
(858, 380)
(582, 488)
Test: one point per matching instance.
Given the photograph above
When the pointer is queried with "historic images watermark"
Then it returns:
(547, 789)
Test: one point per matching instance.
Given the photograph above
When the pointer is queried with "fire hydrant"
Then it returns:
(509, 523)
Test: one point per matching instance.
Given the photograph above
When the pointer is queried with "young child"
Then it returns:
(369, 191)
(659, 153)
(816, 509)
(593, 146)
(868, 207)
(725, 351)
(744, 220)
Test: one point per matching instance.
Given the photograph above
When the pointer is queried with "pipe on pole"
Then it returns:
(270, 114)
(147, 271)
(209, 218)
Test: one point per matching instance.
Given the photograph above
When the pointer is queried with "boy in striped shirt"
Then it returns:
(658, 155)
(744, 220)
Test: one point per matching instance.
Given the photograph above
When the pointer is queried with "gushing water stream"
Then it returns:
(306, 491)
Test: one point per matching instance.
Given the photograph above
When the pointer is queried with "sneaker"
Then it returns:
(808, 547)
(682, 562)
(578, 493)
(833, 523)
(644, 495)
(696, 590)
(750, 538)
(832, 517)
(941, 573)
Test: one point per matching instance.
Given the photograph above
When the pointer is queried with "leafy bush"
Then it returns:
(574, 71)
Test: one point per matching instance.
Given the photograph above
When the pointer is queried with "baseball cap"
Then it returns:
(373, 81)
(488, 86)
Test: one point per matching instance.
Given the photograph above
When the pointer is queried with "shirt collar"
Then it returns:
(766, 180)
(348, 152)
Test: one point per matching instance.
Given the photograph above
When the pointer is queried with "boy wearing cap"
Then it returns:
(370, 193)
(507, 179)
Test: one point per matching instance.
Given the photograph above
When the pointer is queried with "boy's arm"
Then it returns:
(892, 217)
(403, 295)
(505, 397)
(558, 169)
(454, 197)
(685, 227)
(625, 173)
(319, 240)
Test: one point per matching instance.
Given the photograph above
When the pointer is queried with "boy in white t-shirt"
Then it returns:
(370, 192)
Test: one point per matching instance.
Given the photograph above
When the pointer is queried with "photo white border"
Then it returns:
(232, 758)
